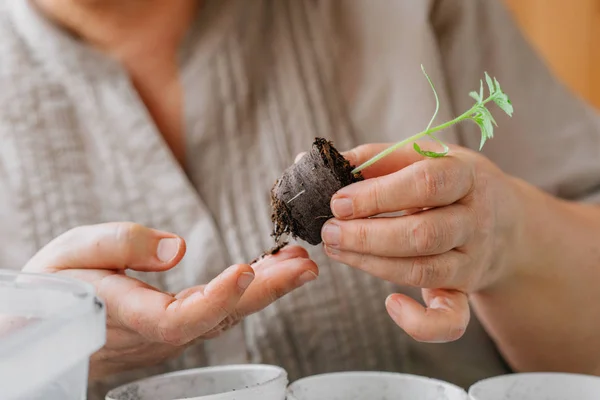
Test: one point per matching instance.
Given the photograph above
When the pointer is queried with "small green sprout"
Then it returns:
(478, 114)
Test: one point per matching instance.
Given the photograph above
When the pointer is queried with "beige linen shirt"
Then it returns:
(262, 78)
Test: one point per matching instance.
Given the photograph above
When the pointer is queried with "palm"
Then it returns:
(146, 325)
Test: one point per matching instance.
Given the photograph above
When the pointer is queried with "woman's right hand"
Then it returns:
(144, 325)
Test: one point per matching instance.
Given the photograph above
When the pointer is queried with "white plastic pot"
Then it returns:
(371, 386)
(537, 386)
(232, 382)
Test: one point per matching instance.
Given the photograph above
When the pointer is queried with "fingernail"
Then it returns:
(342, 208)
(167, 249)
(331, 234)
(245, 279)
(307, 276)
(395, 306)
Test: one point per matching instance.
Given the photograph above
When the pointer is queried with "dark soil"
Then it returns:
(301, 196)
(273, 250)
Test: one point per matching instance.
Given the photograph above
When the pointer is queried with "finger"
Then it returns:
(209, 306)
(176, 321)
(110, 246)
(427, 183)
(424, 272)
(274, 281)
(285, 253)
(395, 161)
(445, 318)
(187, 292)
(430, 232)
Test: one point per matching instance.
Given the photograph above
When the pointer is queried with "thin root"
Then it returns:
(296, 196)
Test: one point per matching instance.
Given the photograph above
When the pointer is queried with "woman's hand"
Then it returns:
(459, 231)
(144, 325)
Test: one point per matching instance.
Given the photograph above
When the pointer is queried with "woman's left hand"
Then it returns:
(459, 235)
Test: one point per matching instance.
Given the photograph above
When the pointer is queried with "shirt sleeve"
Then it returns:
(553, 139)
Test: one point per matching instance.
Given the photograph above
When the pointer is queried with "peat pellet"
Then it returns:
(301, 197)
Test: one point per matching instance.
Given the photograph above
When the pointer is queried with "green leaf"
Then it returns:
(483, 140)
(485, 121)
(484, 133)
(444, 145)
(428, 153)
(504, 103)
(498, 88)
(475, 95)
(481, 90)
(487, 127)
(490, 84)
(487, 115)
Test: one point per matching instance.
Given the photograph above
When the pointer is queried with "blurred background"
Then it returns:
(567, 34)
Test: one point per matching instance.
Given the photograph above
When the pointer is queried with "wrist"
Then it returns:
(530, 205)
(547, 232)
(525, 245)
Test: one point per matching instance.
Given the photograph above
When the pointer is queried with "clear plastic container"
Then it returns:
(373, 385)
(49, 327)
(230, 382)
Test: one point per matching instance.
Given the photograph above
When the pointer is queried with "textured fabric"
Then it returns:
(262, 78)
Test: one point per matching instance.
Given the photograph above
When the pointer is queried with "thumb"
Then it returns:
(395, 161)
(116, 246)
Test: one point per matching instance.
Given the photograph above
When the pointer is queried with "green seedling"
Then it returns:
(479, 114)
(300, 199)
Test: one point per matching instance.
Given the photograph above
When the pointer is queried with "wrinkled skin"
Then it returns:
(459, 220)
(145, 325)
